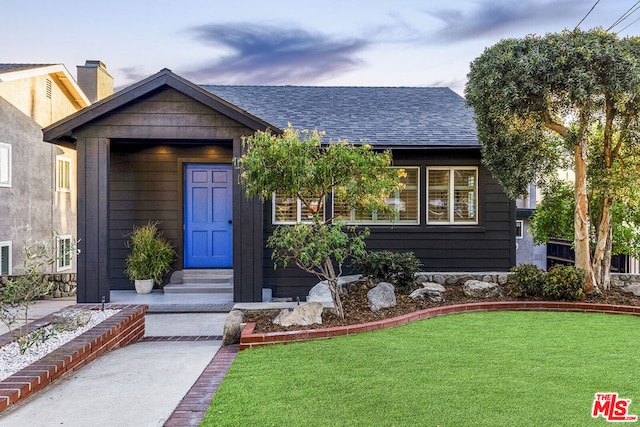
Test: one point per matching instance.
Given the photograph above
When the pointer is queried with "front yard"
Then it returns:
(490, 369)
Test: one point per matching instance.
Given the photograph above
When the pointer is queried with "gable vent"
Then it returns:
(48, 88)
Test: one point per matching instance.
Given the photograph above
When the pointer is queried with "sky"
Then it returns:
(288, 42)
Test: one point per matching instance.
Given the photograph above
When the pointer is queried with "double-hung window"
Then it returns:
(406, 202)
(5, 165)
(291, 210)
(64, 253)
(452, 195)
(63, 174)
(5, 258)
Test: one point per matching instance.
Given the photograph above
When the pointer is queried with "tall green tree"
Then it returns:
(538, 98)
(297, 165)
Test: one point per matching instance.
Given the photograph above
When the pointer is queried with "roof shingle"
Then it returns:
(6, 68)
(383, 116)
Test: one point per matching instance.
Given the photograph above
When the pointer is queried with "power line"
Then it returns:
(590, 10)
(636, 20)
(625, 15)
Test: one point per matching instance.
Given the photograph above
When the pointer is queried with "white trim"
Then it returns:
(58, 70)
(61, 264)
(374, 220)
(6, 244)
(6, 182)
(521, 234)
(67, 160)
(298, 213)
(450, 195)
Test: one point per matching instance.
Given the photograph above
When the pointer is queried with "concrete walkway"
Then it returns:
(137, 385)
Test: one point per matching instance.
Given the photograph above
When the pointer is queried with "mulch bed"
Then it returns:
(357, 310)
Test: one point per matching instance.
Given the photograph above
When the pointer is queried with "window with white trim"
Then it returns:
(5, 165)
(519, 229)
(452, 195)
(63, 174)
(64, 253)
(406, 202)
(291, 210)
(5, 258)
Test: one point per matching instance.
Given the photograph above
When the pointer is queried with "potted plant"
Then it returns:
(150, 258)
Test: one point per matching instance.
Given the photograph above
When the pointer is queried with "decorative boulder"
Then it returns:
(309, 313)
(382, 296)
(632, 289)
(478, 289)
(322, 294)
(232, 327)
(434, 292)
(72, 319)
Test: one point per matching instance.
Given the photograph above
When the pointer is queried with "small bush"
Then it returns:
(526, 280)
(398, 268)
(564, 282)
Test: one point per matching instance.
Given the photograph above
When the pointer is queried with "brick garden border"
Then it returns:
(124, 327)
(249, 339)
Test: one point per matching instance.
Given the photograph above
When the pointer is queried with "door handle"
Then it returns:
(230, 221)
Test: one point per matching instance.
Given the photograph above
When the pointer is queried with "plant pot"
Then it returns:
(144, 286)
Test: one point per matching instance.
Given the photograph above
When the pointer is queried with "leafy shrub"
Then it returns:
(151, 254)
(398, 268)
(526, 280)
(564, 282)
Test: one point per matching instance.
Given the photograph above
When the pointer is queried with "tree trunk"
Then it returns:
(332, 279)
(602, 254)
(581, 218)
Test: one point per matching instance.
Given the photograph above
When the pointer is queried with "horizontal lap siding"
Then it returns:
(150, 141)
(146, 185)
(489, 246)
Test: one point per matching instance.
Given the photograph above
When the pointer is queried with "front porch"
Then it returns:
(189, 291)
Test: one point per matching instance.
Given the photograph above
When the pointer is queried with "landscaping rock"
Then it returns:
(632, 289)
(457, 279)
(503, 279)
(321, 293)
(71, 319)
(382, 296)
(432, 291)
(479, 289)
(233, 325)
(309, 313)
(439, 279)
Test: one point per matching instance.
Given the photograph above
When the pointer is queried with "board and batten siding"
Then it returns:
(488, 246)
(132, 172)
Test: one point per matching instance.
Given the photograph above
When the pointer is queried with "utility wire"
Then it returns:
(625, 15)
(636, 20)
(590, 10)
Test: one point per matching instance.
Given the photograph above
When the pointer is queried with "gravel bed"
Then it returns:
(11, 361)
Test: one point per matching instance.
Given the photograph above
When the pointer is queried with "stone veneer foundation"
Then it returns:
(124, 327)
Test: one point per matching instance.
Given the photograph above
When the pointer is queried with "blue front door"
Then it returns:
(207, 216)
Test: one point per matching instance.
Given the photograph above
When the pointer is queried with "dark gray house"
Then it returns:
(162, 149)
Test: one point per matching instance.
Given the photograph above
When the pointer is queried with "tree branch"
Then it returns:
(550, 123)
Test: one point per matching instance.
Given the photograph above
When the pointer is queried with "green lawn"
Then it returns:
(474, 369)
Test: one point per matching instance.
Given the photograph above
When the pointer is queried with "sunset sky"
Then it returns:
(348, 42)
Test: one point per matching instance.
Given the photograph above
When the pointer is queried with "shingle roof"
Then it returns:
(384, 116)
(5, 68)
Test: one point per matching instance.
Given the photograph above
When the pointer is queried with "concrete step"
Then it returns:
(198, 288)
(200, 282)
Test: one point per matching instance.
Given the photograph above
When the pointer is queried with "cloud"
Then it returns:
(492, 18)
(273, 55)
(129, 75)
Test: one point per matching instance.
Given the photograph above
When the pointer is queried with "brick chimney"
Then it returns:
(94, 80)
